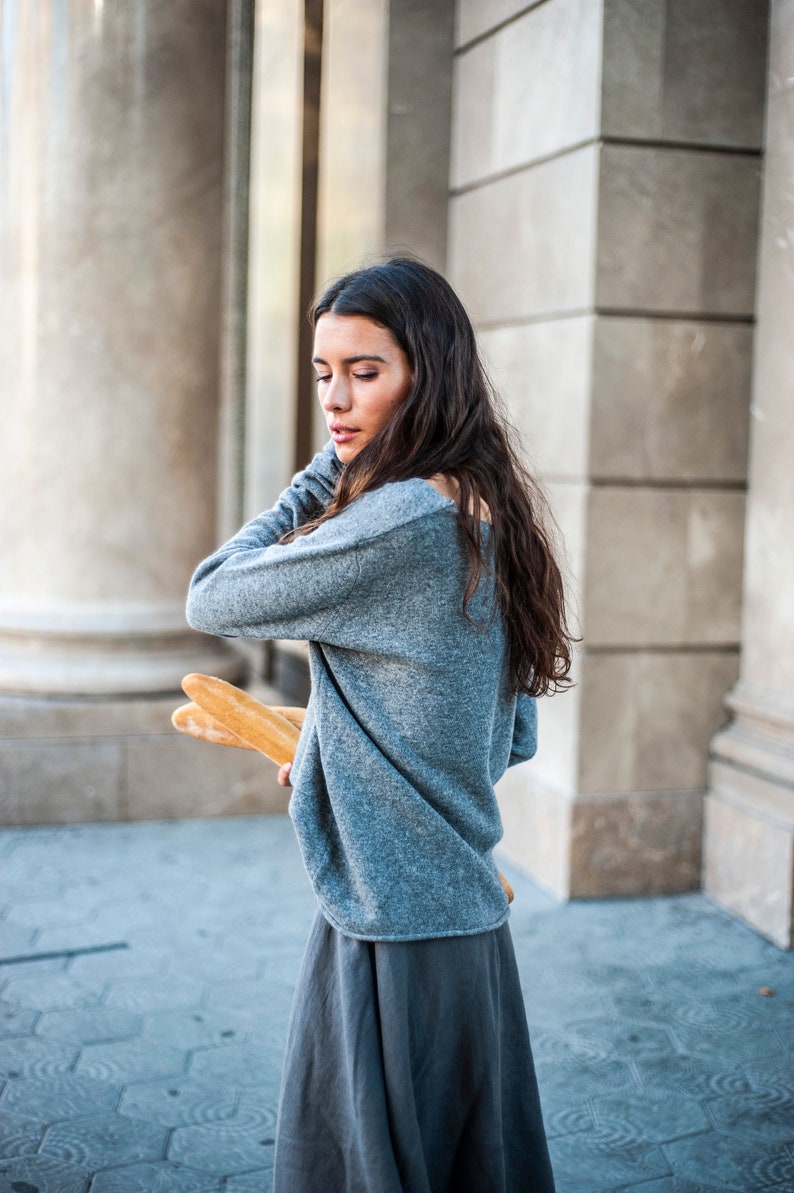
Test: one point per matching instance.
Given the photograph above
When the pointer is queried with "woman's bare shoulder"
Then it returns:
(448, 486)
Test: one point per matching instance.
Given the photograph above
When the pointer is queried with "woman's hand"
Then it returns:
(283, 775)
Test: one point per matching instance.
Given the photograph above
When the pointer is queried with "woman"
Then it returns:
(410, 557)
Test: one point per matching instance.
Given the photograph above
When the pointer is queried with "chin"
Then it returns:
(346, 452)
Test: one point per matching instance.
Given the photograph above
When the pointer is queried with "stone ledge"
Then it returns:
(70, 761)
(641, 843)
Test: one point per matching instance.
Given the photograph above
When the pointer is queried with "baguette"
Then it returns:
(196, 722)
(295, 715)
(259, 727)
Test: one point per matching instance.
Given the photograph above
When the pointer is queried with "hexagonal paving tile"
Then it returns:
(19, 1136)
(258, 1108)
(727, 1048)
(251, 996)
(179, 1103)
(222, 1148)
(59, 1097)
(671, 1184)
(104, 1140)
(16, 1020)
(563, 1084)
(757, 1116)
(727, 1162)
(32, 913)
(196, 1028)
(151, 996)
(117, 964)
(41, 1174)
(16, 939)
(625, 1041)
(250, 1182)
(96, 1026)
(239, 1065)
(161, 1177)
(53, 991)
(576, 1159)
(29, 1056)
(691, 1076)
(130, 1060)
(773, 1079)
(567, 1119)
(653, 1116)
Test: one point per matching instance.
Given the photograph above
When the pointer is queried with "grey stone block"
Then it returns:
(545, 66)
(670, 400)
(550, 265)
(677, 231)
(57, 782)
(684, 72)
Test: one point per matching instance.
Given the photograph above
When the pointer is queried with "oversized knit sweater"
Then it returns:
(410, 721)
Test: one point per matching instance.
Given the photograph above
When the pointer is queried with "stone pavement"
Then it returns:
(145, 985)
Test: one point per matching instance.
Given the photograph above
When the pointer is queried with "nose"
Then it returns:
(336, 394)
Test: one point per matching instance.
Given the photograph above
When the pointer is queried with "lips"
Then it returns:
(341, 434)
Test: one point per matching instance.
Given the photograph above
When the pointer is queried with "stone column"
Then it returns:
(603, 232)
(111, 230)
(749, 835)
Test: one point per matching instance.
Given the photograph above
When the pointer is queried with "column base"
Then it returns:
(78, 666)
(73, 760)
(749, 824)
(591, 846)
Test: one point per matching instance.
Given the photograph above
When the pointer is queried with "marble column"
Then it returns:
(109, 302)
(111, 227)
(749, 833)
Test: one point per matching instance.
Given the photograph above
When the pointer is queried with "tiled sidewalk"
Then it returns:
(141, 1049)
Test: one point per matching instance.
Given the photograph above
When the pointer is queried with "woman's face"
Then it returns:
(362, 377)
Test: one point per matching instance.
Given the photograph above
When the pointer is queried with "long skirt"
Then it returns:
(408, 1070)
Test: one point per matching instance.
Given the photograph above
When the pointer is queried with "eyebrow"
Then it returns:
(351, 360)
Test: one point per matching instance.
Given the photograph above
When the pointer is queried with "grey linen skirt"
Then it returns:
(408, 1070)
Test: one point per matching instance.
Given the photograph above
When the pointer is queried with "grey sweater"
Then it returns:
(410, 721)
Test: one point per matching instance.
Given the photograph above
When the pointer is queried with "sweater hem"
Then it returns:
(405, 937)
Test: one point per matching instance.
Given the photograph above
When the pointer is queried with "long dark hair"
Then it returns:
(451, 423)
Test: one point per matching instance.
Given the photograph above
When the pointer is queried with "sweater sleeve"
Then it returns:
(255, 587)
(525, 730)
(308, 496)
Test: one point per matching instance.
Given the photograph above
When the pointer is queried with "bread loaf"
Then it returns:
(196, 722)
(258, 726)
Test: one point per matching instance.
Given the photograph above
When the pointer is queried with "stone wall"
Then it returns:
(604, 220)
